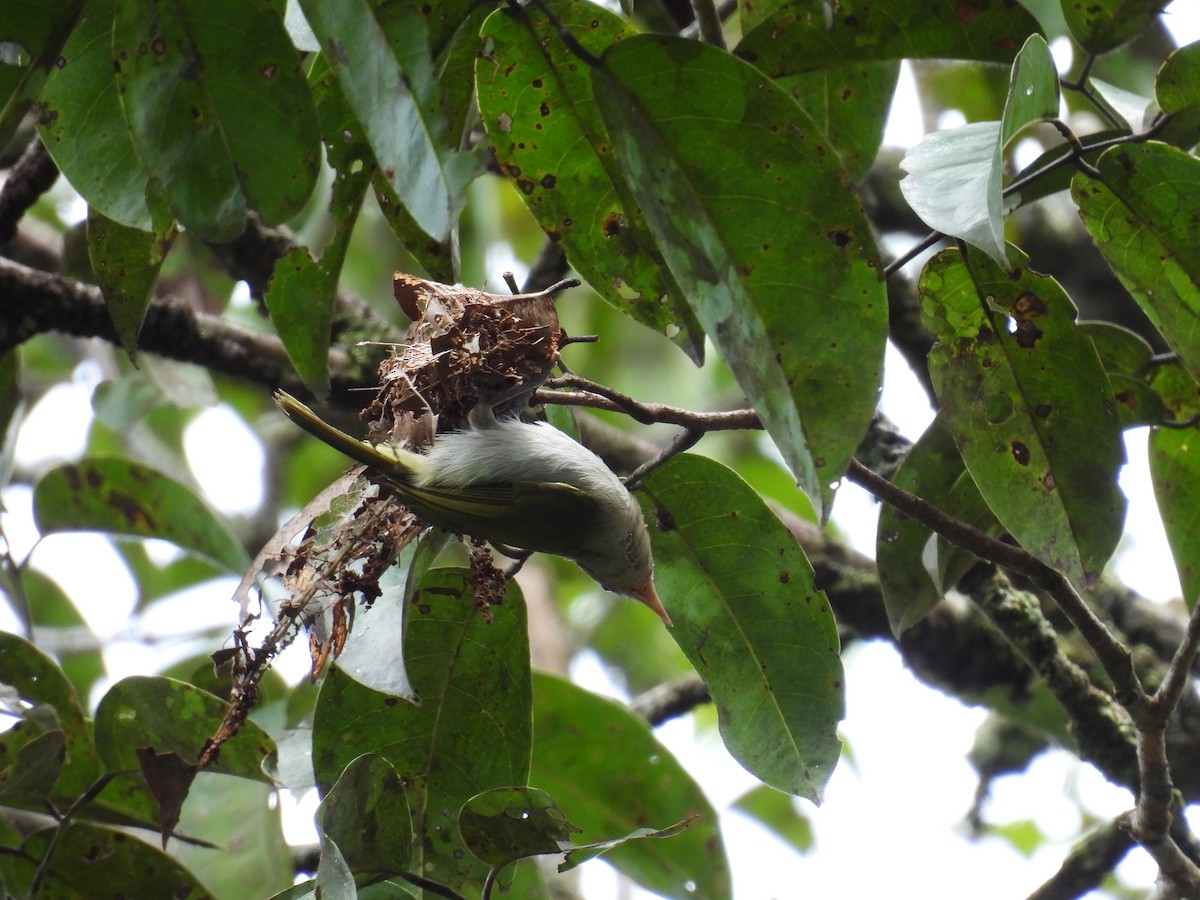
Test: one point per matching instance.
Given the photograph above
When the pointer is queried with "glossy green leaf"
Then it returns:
(53, 706)
(930, 470)
(95, 863)
(237, 131)
(803, 35)
(1145, 217)
(777, 811)
(392, 90)
(1178, 390)
(125, 498)
(1177, 86)
(173, 717)
(1021, 390)
(1175, 470)
(603, 765)
(125, 262)
(471, 731)
(505, 824)
(770, 244)
(83, 125)
(955, 177)
(750, 620)
(366, 815)
(537, 102)
(1100, 25)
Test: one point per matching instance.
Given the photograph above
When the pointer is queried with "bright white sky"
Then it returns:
(899, 806)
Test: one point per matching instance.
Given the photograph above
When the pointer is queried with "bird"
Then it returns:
(517, 485)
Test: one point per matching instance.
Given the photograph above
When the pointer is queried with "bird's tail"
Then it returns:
(391, 461)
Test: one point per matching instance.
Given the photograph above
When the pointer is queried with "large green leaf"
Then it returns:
(757, 222)
(750, 620)
(365, 815)
(1101, 25)
(122, 497)
(537, 103)
(610, 776)
(1175, 469)
(83, 125)
(471, 730)
(94, 863)
(1021, 390)
(1144, 214)
(803, 35)
(390, 85)
(222, 125)
(173, 717)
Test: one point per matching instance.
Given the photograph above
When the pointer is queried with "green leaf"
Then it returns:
(245, 820)
(366, 815)
(83, 125)
(777, 811)
(605, 766)
(770, 244)
(1022, 390)
(392, 90)
(1101, 25)
(221, 125)
(750, 620)
(1126, 358)
(53, 706)
(1145, 217)
(504, 824)
(59, 624)
(122, 497)
(930, 471)
(537, 102)
(98, 864)
(173, 717)
(955, 177)
(471, 731)
(803, 35)
(300, 297)
(35, 31)
(1177, 86)
(1175, 470)
(28, 780)
(125, 262)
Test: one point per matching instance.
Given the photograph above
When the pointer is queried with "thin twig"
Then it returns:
(598, 396)
(682, 442)
(1089, 862)
(709, 21)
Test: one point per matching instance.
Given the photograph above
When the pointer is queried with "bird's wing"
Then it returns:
(528, 515)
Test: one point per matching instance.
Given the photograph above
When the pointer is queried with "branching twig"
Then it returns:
(33, 175)
(1089, 862)
(598, 396)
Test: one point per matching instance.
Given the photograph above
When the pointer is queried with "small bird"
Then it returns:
(515, 484)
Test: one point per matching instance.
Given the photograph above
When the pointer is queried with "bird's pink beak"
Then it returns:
(647, 595)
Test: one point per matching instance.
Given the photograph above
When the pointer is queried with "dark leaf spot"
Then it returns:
(1020, 453)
